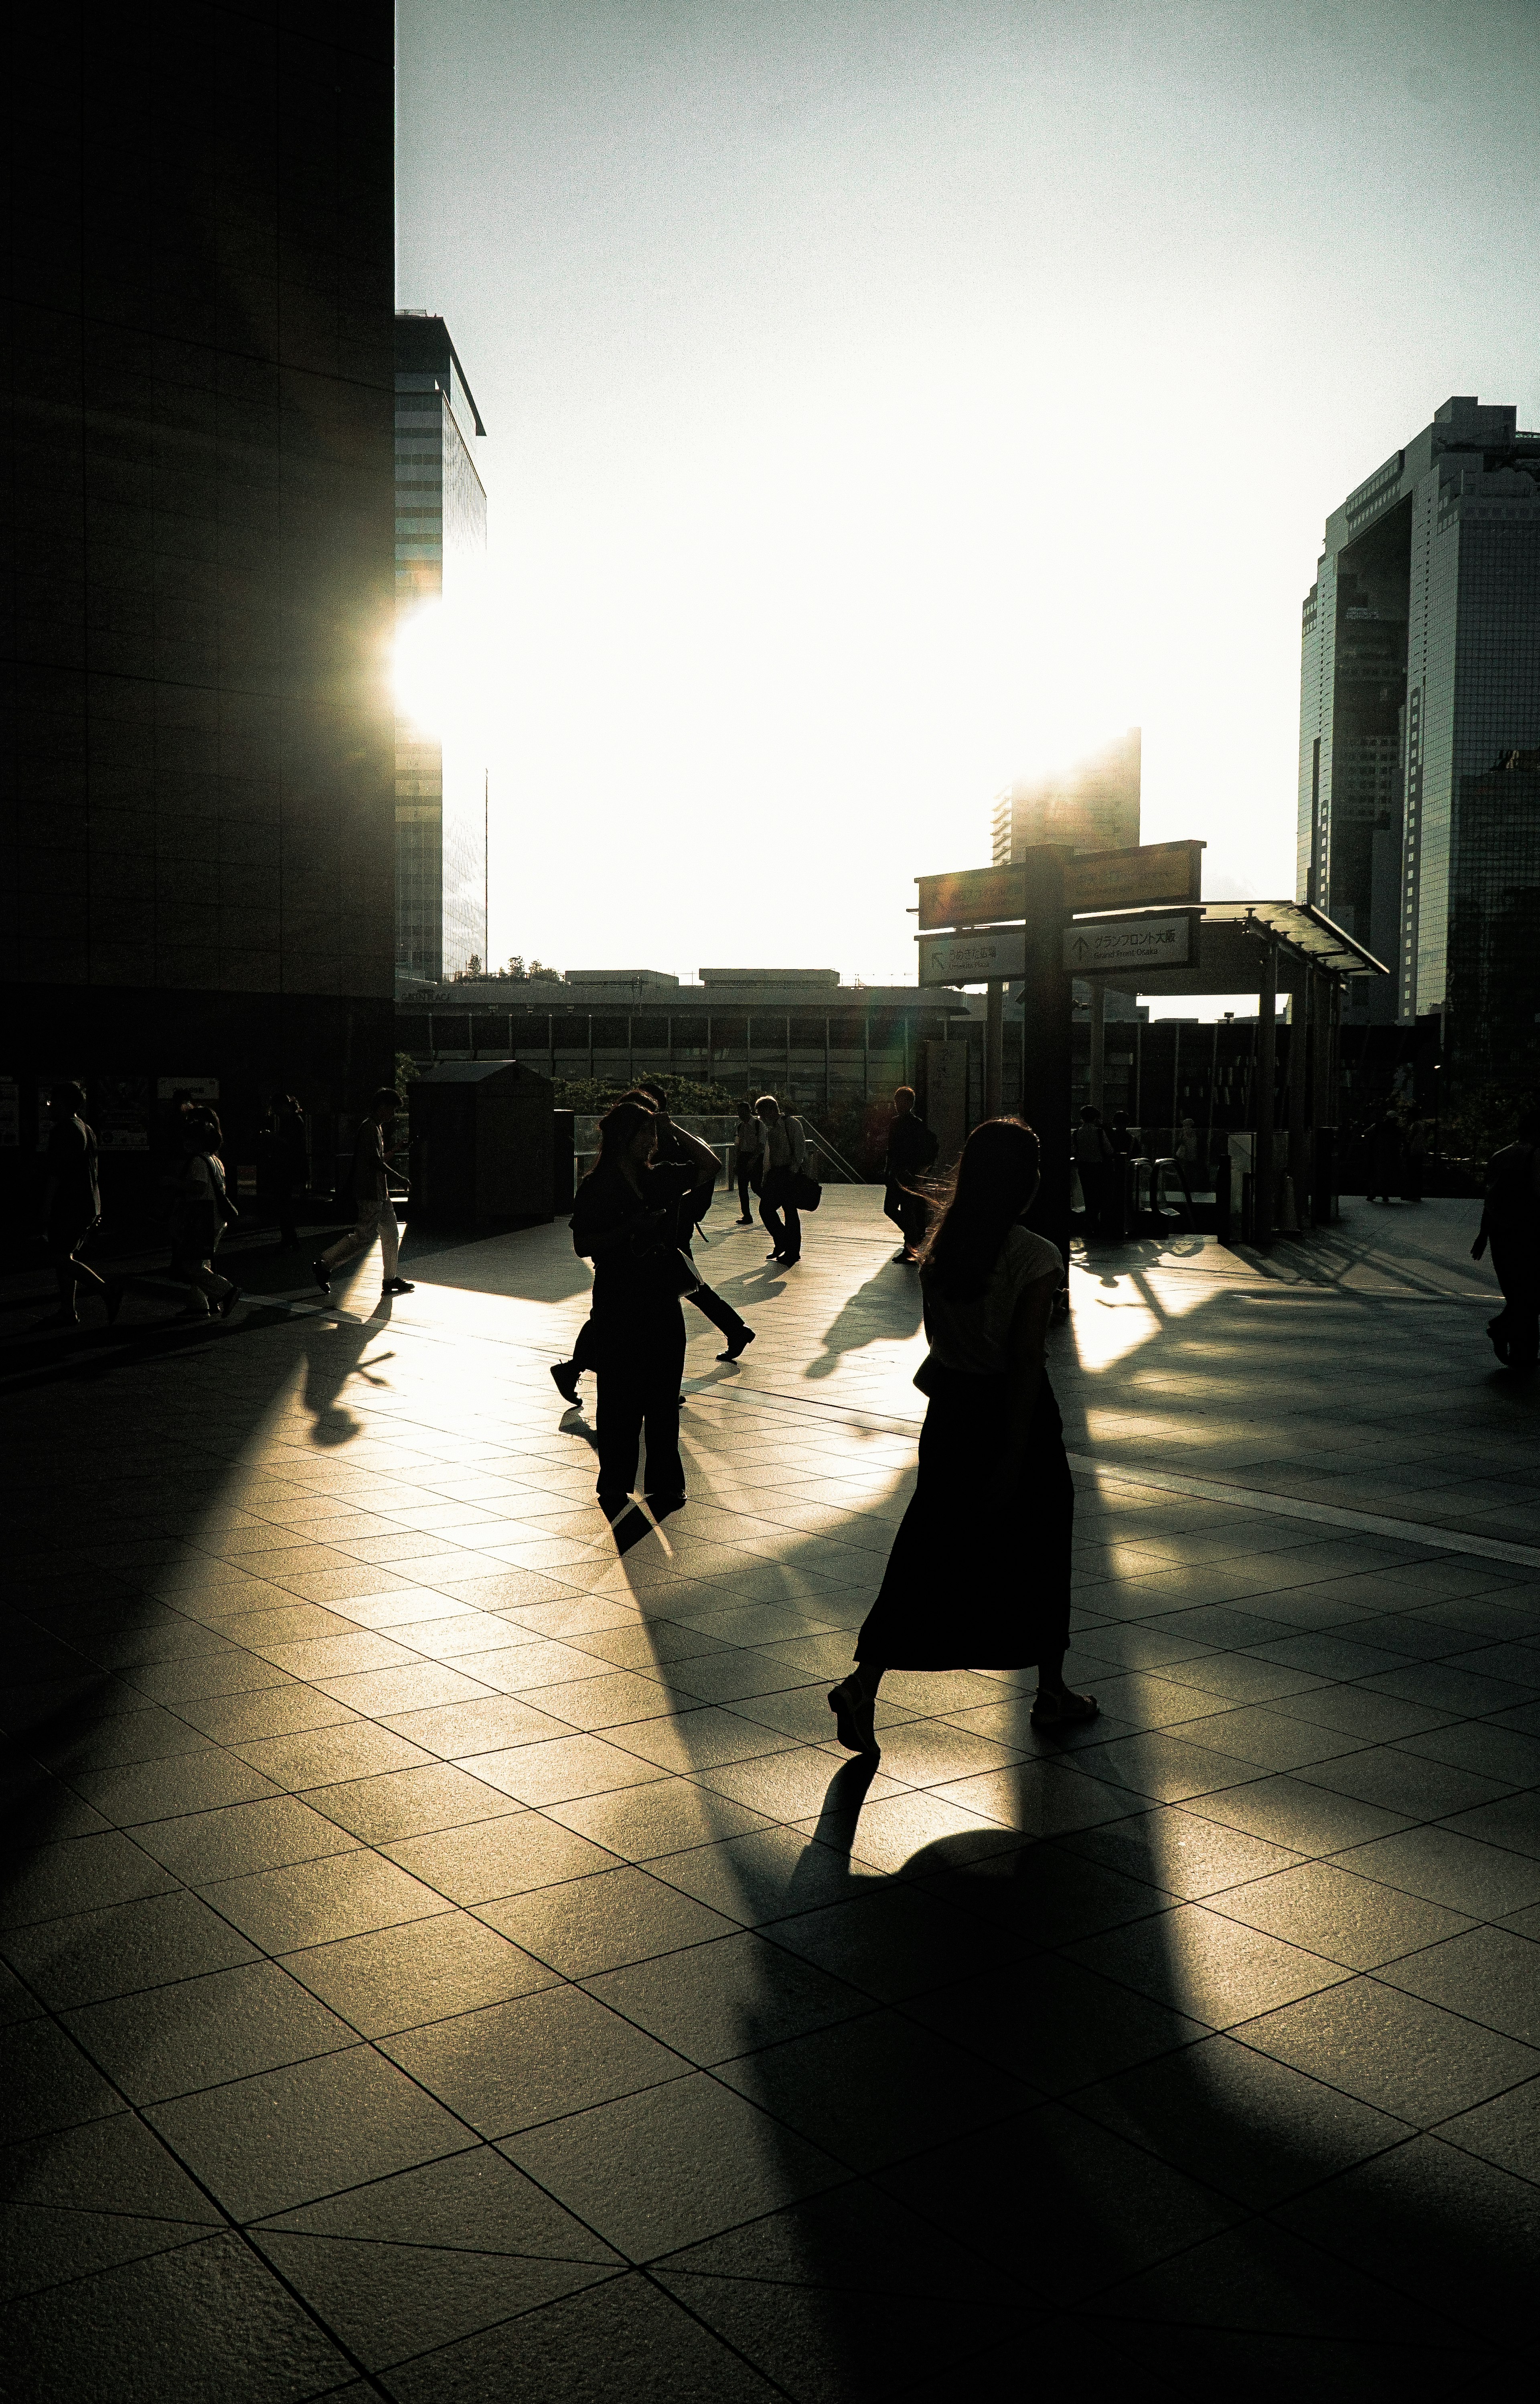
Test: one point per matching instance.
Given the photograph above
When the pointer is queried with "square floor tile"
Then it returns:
(495, 1857)
(93, 1954)
(201, 2032)
(650, 2348)
(174, 2326)
(871, 2090)
(264, 2145)
(85, 1873)
(1238, 2121)
(242, 1840)
(1490, 1975)
(1394, 2050)
(1459, 1872)
(663, 1817)
(412, 1802)
(309, 1902)
(1348, 1918)
(47, 2082)
(586, 1925)
(662, 2169)
(534, 2060)
(726, 1997)
(1213, 1968)
(396, 1978)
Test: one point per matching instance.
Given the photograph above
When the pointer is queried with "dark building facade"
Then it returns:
(1420, 734)
(197, 842)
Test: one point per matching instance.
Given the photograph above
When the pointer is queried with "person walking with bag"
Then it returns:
(200, 1210)
(371, 1176)
(784, 1161)
(978, 1576)
(623, 1221)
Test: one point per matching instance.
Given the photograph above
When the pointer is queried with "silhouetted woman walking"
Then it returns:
(624, 1220)
(979, 1574)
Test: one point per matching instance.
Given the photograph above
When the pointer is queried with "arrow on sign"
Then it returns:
(1082, 947)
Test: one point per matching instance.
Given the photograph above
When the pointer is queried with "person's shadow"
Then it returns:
(887, 1309)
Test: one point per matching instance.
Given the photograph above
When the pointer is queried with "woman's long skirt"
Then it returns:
(979, 1574)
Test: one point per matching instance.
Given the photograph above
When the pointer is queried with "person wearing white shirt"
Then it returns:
(784, 1156)
(371, 1175)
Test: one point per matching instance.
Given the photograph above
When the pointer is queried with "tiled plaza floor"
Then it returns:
(448, 1958)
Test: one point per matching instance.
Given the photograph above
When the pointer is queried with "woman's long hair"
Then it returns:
(619, 1125)
(996, 1179)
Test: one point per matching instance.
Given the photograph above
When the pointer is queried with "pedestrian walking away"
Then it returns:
(371, 1176)
(624, 1220)
(675, 1147)
(282, 1168)
(748, 1146)
(200, 1210)
(912, 1150)
(72, 1205)
(785, 1162)
(1510, 1224)
(1384, 1140)
(978, 1577)
(1095, 1160)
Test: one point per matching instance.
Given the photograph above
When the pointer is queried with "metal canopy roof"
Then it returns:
(1325, 945)
(1229, 946)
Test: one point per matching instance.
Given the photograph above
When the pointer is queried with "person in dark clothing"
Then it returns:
(979, 1574)
(1510, 1224)
(748, 1145)
(283, 1166)
(911, 1150)
(624, 1220)
(783, 1161)
(72, 1205)
(675, 1148)
(1095, 1160)
(1384, 1140)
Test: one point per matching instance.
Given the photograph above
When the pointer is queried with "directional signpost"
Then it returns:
(1002, 925)
(1099, 946)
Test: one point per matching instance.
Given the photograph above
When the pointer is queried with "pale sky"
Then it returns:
(886, 398)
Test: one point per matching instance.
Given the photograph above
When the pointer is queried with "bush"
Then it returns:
(690, 1097)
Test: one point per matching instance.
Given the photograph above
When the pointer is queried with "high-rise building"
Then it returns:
(1419, 732)
(196, 864)
(1093, 804)
(440, 537)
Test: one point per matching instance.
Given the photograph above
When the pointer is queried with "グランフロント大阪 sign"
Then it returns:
(1101, 946)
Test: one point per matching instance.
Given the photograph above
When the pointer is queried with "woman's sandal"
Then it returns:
(1052, 1711)
(854, 1717)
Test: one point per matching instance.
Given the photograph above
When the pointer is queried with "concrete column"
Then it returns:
(1299, 1143)
(1098, 1041)
(1267, 1064)
(1047, 1003)
(994, 1049)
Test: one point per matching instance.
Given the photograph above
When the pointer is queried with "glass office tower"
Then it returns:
(1419, 826)
(1093, 804)
(441, 538)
